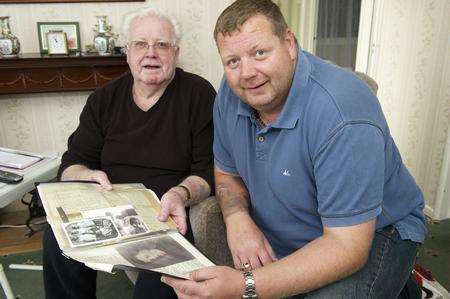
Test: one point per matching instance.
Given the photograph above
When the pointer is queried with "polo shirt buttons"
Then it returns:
(261, 138)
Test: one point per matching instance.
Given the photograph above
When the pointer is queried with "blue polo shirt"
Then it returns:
(328, 160)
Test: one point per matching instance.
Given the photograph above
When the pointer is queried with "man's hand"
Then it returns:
(210, 282)
(173, 205)
(82, 173)
(247, 243)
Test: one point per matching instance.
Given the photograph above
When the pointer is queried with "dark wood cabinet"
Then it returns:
(30, 73)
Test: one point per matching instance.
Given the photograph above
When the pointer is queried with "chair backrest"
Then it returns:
(369, 81)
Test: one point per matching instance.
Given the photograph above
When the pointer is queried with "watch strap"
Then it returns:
(188, 192)
(250, 289)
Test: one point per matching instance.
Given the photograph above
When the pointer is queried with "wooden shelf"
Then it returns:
(33, 72)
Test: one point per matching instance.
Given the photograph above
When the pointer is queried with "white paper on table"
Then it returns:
(15, 159)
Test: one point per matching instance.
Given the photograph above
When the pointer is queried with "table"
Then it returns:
(39, 173)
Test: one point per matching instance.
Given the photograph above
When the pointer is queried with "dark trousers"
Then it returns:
(67, 278)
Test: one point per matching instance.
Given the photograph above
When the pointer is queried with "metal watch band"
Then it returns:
(250, 290)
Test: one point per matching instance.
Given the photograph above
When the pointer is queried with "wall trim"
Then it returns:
(429, 212)
(442, 206)
(307, 27)
(363, 51)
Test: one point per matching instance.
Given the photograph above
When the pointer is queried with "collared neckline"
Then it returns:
(296, 99)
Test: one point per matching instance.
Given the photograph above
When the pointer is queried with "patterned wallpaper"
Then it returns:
(42, 122)
(412, 71)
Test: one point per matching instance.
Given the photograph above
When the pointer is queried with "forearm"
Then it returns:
(75, 172)
(231, 193)
(197, 189)
(325, 260)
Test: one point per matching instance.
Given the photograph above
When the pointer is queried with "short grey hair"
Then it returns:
(150, 12)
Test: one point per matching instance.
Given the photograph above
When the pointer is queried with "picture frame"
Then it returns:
(72, 30)
(57, 42)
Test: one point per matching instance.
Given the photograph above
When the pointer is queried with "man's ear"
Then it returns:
(291, 43)
(177, 53)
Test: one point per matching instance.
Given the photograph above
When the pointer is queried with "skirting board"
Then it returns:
(429, 211)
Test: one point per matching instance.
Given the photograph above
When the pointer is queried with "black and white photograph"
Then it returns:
(125, 219)
(90, 231)
(154, 253)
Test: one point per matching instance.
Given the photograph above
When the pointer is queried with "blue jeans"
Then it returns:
(384, 275)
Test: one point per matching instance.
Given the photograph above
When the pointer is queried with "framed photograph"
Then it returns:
(72, 30)
(57, 42)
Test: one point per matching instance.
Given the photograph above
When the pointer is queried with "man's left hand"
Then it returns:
(210, 282)
(172, 204)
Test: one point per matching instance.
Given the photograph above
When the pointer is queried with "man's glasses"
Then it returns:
(139, 46)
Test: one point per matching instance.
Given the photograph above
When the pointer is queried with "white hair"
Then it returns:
(150, 12)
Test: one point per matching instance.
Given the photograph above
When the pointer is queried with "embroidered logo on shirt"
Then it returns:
(286, 172)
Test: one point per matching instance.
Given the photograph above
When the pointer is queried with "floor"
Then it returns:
(17, 248)
(434, 254)
(16, 240)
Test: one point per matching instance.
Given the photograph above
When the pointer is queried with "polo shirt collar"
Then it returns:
(295, 100)
(294, 103)
(244, 109)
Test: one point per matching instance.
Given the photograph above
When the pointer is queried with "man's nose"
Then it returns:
(247, 69)
(151, 51)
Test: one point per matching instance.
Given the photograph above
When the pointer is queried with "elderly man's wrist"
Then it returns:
(183, 192)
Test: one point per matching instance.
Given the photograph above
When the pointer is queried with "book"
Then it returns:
(18, 159)
(118, 229)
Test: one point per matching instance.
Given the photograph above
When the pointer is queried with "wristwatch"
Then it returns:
(250, 290)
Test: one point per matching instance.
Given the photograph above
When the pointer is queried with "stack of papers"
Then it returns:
(17, 159)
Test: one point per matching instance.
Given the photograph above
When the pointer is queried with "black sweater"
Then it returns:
(158, 148)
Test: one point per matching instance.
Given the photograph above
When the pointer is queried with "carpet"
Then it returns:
(434, 254)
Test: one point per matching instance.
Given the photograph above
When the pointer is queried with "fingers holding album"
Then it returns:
(172, 205)
(101, 178)
(82, 173)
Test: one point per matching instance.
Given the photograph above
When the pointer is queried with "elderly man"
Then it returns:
(151, 126)
(314, 194)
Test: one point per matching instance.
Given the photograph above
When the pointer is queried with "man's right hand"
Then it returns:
(82, 173)
(247, 243)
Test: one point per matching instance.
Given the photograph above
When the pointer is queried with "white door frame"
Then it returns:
(441, 209)
(368, 37)
(309, 10)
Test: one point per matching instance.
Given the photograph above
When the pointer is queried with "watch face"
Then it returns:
(57, 43)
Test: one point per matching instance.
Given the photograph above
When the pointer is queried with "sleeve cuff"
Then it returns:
(225, 168)
(340, 221)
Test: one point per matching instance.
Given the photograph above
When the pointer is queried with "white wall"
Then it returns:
(410, 60)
